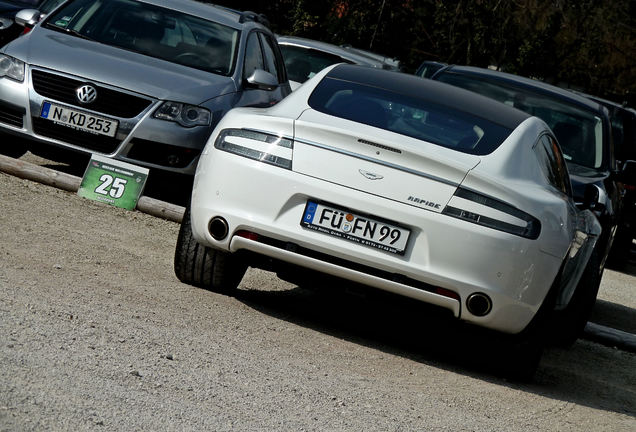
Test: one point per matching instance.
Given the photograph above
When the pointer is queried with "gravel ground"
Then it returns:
(96, 333)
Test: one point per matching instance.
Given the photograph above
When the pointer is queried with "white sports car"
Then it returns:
(395, 182)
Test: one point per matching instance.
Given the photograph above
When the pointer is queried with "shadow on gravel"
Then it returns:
(626, 265)
(12, 146)
(614, 315)
(168, 187)
(587, 373)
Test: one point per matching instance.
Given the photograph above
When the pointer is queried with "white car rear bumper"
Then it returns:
(443, 252)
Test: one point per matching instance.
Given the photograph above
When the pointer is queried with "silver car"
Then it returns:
(304, 58)
(140, 81)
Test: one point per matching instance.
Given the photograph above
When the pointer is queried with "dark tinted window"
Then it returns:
(579, 131)
(417, 118)
(303, 63)
(48, 5)
(624, 133)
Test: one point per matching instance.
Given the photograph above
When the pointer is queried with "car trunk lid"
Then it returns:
(378, 162)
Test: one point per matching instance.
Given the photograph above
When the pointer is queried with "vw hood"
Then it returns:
(101, 63)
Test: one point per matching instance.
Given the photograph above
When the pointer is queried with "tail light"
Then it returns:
(492, 213)
(256, 145)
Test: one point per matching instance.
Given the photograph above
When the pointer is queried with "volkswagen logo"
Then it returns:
(370, 175)
(86, 94)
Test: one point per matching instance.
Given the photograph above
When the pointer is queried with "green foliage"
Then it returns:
(586, 44)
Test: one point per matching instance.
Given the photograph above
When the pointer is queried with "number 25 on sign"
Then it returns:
(113, 186)
(113, 182)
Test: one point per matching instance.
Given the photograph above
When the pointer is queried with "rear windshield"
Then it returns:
(150, 30)
(579, 131)
(408, 115)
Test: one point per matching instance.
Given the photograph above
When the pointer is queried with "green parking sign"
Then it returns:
(113, 182)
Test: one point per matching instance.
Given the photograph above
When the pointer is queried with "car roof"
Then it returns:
(209, 11)
(431, 91)
(612, 106)
(387, 62)
(519, 81)
(329, 48)
(600, 100)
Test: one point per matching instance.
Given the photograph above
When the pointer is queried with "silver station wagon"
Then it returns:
(140, 81)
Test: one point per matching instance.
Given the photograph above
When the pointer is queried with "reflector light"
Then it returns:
(247, 234)
(446, 293)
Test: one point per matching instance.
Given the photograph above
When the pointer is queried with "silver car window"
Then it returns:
(303, 63)
(270, 57)
(253, 55)
(150, 30)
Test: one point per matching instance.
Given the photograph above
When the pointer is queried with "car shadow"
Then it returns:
(172, 188)
(431, 336)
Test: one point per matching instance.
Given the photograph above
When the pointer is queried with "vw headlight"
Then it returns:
(11, 68)
(185, 115)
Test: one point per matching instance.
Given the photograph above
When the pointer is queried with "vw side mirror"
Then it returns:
(262, 80)
(27, 17)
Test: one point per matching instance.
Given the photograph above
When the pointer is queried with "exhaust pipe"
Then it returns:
(479, 304)
(218, 228)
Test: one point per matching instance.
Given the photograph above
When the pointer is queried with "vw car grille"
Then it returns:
(110, 102)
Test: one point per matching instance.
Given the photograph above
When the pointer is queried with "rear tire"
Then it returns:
(568, 324)
(523, 351)
(522, 356)
(205, 267)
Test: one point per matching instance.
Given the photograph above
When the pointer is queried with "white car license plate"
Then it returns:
(79, 120)
(364, 230)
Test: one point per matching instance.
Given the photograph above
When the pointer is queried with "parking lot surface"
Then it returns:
(98, 332)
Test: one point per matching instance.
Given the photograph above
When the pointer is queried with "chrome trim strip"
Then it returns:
(291, 138)
(378, 161)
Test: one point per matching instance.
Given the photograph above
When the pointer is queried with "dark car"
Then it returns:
(584, 132)
(9, 30)
(623, 121)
